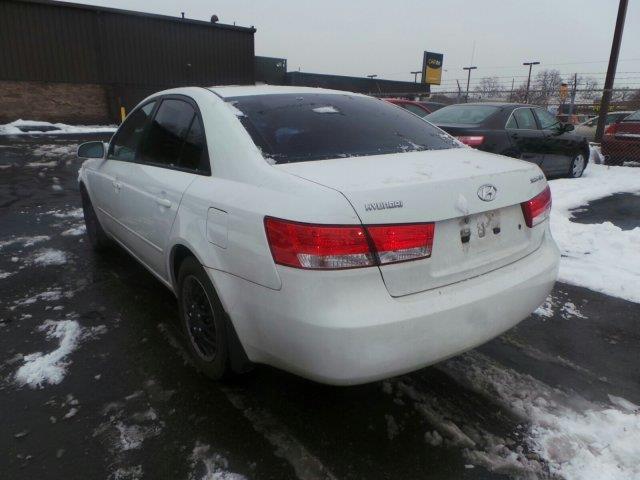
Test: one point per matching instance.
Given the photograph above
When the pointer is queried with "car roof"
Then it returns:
(497, 104)
(229, 91)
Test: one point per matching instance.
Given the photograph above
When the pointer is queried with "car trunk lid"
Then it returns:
(472, 236)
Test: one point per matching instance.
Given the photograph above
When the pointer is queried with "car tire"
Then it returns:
(577, 167)
(204, 322)
(98, 239)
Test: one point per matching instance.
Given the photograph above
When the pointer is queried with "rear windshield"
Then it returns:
(634, 117)
(464, 114)
(304, 127)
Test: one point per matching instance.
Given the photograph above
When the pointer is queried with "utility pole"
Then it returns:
(530, 64)
(415, 76)
(468, 69)
(459, 90)
(513, 81)
(611, 69)
(573, 94)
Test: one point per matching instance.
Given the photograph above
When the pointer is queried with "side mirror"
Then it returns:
(91, 150)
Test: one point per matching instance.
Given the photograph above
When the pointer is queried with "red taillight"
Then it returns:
(538, 208)
(472, 140)
(304, 245)
(399, 243)
(611, 129)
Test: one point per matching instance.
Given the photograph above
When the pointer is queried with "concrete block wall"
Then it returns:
(54, 102)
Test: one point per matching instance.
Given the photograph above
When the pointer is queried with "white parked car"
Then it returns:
(326, 233)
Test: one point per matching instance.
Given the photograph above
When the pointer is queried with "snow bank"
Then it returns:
(39, 368)
(576, 438)
(13, 128)
(601, 257)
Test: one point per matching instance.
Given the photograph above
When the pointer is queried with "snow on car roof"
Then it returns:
(227, 91)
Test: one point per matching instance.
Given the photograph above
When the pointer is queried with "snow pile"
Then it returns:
(24, 241)
(601, 257)
(210, 466)
(50, 256)
(18, 127)
(576, 438)
(50, 368)
(74, 231)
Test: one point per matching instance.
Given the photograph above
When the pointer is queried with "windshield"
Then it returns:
(634, 117)
(304, 127)
(464, 114)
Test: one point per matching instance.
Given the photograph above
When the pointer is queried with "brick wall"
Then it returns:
(54, 102)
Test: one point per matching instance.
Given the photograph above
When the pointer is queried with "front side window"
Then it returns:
(126, 142)
(547, 120)
(462, 114)
(634, 117)
(163, 143)
(524, 119)
(306, 127)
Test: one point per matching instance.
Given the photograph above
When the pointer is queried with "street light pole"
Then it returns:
(468, 81)
(531, 64)
(611, 70)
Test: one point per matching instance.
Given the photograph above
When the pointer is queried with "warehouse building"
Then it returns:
(80, 64)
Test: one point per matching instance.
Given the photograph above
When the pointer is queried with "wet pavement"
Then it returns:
(621, 209)
(129, 404)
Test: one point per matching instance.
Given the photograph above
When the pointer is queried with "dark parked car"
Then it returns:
(521, 131)
(621, 141)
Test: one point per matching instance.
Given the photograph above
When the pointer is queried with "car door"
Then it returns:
(104, 179)
(561, 146)
(173, 152)
(527, 140)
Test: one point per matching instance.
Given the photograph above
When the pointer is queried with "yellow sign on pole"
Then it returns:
(432, 68)
(564, 91)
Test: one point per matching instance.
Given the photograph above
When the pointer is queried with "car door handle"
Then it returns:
(163, 202)
(116, 185)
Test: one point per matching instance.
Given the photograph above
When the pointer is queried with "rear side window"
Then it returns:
(163, 143)
(524, 119)
(126, 142)
(316, 126)
(462, 114)
(194, 151)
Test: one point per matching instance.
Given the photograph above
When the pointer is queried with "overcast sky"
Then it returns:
(387, 38)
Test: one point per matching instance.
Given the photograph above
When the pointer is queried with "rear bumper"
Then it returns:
(344, 328)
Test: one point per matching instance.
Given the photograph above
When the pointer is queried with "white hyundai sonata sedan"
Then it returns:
(326, 233)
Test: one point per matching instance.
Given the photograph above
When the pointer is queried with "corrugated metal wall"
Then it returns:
(43, 41)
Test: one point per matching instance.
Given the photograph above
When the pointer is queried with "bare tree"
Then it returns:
(489, 87)
(588, 87)
(545, 86)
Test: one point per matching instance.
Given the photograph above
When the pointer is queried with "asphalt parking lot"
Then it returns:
(129, 405)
